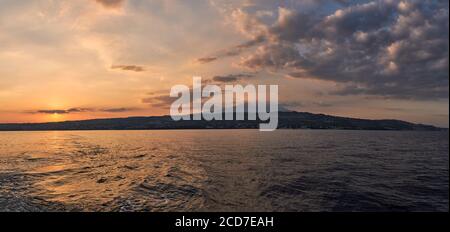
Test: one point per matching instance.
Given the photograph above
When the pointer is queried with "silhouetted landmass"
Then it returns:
(288, 120)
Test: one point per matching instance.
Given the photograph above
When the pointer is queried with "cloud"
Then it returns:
(273, 56)
(205, 60)
(77, 110)
(51, 112)
(162, 98)
(234, 50)
(160, 101)
(231, 77)
(302, 104)
(238, 49)
(134, 68)
(82, 110)
(118, 110)
(111, 3)
(394, 49)
(68, 111)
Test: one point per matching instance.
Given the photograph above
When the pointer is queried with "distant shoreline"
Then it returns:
(211, 129)
(287, 120)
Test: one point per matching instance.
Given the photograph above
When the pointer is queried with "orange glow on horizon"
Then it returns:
(55, 117)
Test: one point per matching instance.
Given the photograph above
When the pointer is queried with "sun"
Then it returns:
(56, 117)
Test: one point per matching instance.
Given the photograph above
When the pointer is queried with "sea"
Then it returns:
(224, 170)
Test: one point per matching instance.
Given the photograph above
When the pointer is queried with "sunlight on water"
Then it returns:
(227, 170)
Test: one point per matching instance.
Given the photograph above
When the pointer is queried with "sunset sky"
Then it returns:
(80, 59)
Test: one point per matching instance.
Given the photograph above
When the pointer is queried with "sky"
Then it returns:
(81, 59)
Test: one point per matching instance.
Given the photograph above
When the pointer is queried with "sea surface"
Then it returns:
(224, 170)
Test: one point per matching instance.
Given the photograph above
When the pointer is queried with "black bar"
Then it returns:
(281, 221)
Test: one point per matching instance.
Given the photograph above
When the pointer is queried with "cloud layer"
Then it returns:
(394, 49)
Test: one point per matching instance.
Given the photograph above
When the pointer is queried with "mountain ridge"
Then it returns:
(287, 120)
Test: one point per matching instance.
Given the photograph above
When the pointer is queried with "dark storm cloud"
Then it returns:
(134, 68)
(395, 49)
(110, 3)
